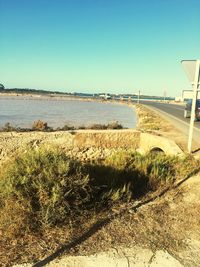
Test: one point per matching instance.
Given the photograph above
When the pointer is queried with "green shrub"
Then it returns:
(114, 125)
(97, 127)
(66, 128)
(157, 168)
(47, 188)
(44, 187)
(48, 185)
(111, 125)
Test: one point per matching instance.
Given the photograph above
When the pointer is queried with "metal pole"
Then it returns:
(195, 88)
(138, 101)
(165, 94)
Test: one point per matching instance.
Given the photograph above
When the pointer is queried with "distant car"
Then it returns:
(105, 96)
(188, 108)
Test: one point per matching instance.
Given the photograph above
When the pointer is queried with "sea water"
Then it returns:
(22, 111)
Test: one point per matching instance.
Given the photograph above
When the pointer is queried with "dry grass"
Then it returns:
(43, 192)
(150, 121)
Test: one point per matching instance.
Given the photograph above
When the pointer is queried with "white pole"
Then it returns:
(195, 88)
(138, 97)
(165, 94)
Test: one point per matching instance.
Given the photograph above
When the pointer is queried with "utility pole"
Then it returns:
(165, 94)
(138, 100)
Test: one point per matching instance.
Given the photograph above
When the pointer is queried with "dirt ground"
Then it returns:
(166, 231)
(163, 232)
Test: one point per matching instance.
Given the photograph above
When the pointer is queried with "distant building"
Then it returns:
(1, 87)
(105, 96)
(179, 99)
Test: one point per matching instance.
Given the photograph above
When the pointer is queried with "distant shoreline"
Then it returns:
(67, 98)
(46, 96)
(57, 97)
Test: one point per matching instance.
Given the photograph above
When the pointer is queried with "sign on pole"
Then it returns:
(192, 69)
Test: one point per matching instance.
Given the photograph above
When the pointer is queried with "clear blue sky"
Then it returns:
(98, 45)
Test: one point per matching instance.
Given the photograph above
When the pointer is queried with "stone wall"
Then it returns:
(12, 143)
(107, 139)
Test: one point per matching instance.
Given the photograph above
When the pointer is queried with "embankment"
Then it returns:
(86, 143)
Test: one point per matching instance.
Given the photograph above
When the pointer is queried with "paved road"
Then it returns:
(174, 110)
(175, 114)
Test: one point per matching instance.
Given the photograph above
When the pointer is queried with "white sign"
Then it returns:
(190, 69)
(188, 94)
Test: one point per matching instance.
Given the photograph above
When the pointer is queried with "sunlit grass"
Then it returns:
(45, 188)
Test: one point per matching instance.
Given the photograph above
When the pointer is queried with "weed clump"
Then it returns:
(111, 125)
(66, 128)
(45, 187)
(97, 126)
(8, 128)
(114, 125)
(40, 126)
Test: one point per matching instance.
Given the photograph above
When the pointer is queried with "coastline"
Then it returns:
(49, 98)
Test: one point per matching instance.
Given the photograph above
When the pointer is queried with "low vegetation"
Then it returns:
(112, 125)
(46, 194)
(149, 120)
(8, 128)
(47, 188)
(40, 125)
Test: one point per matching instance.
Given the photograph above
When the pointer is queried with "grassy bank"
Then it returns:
(46, 195)
(149, 120)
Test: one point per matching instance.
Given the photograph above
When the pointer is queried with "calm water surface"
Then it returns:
(23, 111)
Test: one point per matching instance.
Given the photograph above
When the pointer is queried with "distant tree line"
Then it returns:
(29, 91)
